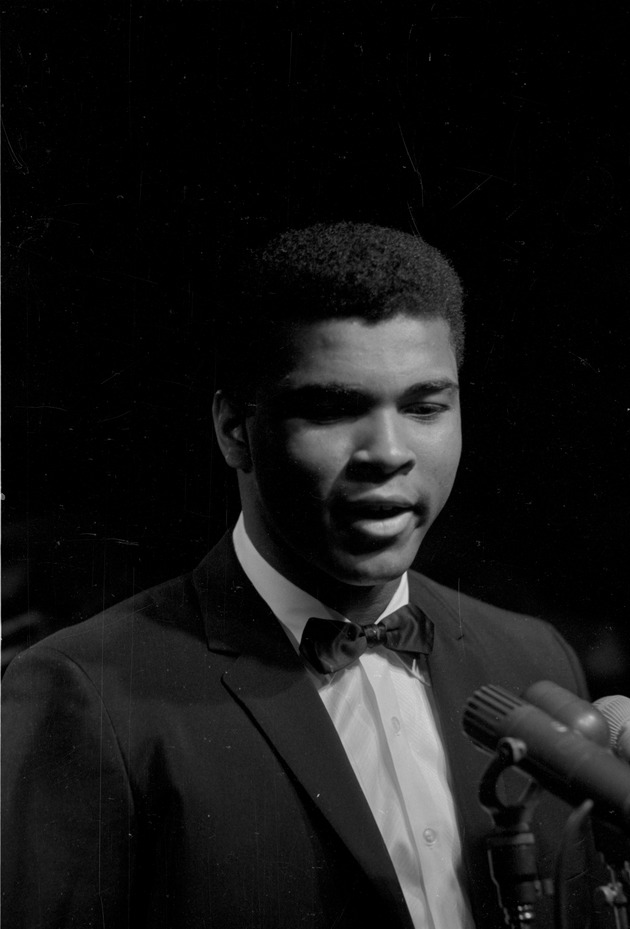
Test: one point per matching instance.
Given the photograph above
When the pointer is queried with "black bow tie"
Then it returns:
(331, 644)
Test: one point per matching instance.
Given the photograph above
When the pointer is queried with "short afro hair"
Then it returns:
(339, 271)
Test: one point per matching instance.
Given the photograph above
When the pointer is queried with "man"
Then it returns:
(195, 757)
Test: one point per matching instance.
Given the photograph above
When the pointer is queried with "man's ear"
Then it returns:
(231, 432)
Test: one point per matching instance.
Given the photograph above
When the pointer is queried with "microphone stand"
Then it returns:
(614, 849)
(511, 850)
(511, 845)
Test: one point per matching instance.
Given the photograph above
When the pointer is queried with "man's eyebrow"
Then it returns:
(339, 390)
(433, 386)
(316, 389)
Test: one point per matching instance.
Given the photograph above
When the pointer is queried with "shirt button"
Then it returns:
(430, 836)
(396, 725)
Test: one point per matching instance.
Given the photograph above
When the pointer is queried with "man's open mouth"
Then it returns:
(379, 518)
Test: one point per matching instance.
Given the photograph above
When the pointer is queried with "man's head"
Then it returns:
(344, 428)
(338, 271)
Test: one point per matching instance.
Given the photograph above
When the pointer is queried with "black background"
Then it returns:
(143, 139)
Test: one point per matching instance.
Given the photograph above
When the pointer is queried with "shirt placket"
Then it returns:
(424, 784)
(394, 728)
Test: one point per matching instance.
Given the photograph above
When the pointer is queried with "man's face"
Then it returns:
(354, 447)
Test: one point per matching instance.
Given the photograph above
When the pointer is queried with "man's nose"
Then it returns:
(383, 444)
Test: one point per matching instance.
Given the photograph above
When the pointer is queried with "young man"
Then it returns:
(247, 746)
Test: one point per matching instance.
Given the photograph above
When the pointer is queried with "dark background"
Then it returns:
(144, 139)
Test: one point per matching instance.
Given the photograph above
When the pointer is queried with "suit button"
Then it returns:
(430, 836)
(396, 725)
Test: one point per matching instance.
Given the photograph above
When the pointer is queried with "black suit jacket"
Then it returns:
(170, 764)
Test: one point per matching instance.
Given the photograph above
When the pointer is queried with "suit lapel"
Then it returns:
(456, 672)
(270, 681)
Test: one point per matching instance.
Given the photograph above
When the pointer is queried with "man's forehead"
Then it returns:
(395, 355)
(394, 342)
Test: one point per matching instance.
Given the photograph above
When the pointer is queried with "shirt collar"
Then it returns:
(289, 603)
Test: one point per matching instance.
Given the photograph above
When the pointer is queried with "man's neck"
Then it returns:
(362, 604)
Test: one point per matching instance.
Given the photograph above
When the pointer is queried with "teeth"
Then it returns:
(383, 510)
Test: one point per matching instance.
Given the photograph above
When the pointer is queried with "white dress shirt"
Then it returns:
(382, 710)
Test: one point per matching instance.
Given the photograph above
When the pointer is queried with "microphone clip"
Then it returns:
(511, 846)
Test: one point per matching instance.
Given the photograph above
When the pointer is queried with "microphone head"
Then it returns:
(562, 760)
(568, 708)
(616, 712)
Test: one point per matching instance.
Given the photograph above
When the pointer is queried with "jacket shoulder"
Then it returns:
(168, 608)
(500, 635)
(460, 607)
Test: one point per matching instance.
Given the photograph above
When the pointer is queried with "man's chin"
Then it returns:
(371, 569)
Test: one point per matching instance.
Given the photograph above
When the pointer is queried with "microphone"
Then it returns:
(616, 711)
(564, 762)
(579, 715)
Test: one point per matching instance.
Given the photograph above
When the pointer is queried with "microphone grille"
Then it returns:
(486, 712)
(616, 712)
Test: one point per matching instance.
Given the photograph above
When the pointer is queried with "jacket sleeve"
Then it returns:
(67, 809)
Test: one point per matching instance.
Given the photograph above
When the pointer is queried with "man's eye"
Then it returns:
(425, 410)
(324, 412)
(317, 409)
